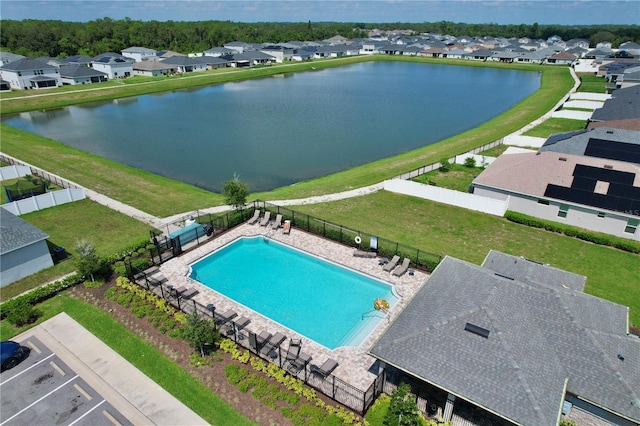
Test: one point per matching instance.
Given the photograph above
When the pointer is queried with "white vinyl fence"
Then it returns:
(13, 172)
(447, 196)
(44, 201)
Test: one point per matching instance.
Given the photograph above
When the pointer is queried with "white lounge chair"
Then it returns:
(392, 264)
(254, 218)
(265, 219)
(402, 268)
(278, 222)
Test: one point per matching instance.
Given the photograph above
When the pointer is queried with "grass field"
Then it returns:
(592, 83)
(108, 231)
(438, 228)
(555, 125)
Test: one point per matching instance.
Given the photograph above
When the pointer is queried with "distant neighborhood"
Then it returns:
(620, 66)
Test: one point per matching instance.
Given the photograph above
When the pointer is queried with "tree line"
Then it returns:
(61, 39)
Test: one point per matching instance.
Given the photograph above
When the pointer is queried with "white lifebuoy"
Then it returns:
(358, 239)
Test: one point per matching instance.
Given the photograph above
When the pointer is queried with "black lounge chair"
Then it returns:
(237, 325)
(293, 351)
(262, 339)
(272, 344)
(227, 316)
(400, 270)
(392, 264)
(189, 293)
(297, 365)
(265, 218)
(325, 369)
(254, 218)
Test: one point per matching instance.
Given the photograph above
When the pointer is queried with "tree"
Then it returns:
(235, 192)
(87, 261)
(403, 410)
(470, 162)
(199, 332)
(445, 165)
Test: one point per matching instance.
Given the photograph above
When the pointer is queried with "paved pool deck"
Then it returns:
(355, 365)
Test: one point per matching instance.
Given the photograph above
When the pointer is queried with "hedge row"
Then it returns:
(39, 294)
(593, 237)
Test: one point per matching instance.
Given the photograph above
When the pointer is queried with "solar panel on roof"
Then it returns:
(620, 151)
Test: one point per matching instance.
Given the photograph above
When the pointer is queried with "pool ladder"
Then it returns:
(369, 312)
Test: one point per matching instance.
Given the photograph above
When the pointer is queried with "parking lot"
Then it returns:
(72, 378)
(43, 389)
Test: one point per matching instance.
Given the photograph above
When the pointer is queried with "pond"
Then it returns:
(281, 130)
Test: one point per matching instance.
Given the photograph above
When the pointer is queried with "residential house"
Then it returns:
(77, 60)
(153, 68)
(587, 179)
(279, 52)
(217, 52)
(113, 65)
(513, 342)
(561, 58)
(238, 46)
(30, 74)
(624, 104)
(214, 62)
(80, 74)
(139, 54)
(249, 59)
(184, 64)
(23, 249)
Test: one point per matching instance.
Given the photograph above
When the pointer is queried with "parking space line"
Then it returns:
(80, 418)
(26, 369)
(35, 402)
(58, 369)
(34, 347)
(82, 391)
(110, 417)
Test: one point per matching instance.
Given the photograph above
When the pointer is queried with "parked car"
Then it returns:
(12, 354)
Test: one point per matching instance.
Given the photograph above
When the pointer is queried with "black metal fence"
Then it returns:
(335, 388)
(56, 180)
(381, 246)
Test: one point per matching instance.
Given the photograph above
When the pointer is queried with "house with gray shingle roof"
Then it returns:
(153, 68)
(114, 65)
(23, 248)
(30, 74)
(516, 339)
(138, 53)
(80, 74)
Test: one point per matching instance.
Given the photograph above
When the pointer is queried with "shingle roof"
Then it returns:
(624, 104)
(16, 233)
(541, 337)
(26, 64)
(75, 71)
(577, 143)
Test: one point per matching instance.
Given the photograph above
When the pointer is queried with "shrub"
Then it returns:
(22, 313)
(235, 374)
(445, 165)
(470, 162)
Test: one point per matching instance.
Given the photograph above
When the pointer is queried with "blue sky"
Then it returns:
(564, 12)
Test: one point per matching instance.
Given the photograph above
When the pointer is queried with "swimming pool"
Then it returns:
(322, 301)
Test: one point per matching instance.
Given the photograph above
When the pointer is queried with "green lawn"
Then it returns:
(108, 231)
(555, 125)
(458, 178)
(592, 83)
(438, 228)
(143, 356)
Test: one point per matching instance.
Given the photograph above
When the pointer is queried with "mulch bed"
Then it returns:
(179, 351)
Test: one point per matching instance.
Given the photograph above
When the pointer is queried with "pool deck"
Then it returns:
(356, 367)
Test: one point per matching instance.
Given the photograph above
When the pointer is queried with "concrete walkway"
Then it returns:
(132, 393)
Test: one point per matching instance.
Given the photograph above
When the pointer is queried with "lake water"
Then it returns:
(277, 131)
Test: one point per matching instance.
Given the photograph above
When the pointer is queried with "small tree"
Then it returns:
(199, 332)
(403, 410)
(87, 261)
(235, 192)
(470, 162)
(445, 165)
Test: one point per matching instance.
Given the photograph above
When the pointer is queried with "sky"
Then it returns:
(562, 12)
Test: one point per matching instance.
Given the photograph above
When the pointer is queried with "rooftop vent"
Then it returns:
(608, 166)
(620, 356)
(482, 332)
(610, 132)
(562, 158)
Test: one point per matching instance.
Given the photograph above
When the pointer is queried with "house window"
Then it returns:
(545, 202)
(601, 214)
(632, 225)
(563, 210)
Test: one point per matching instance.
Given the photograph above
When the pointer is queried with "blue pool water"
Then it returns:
(315, 298)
